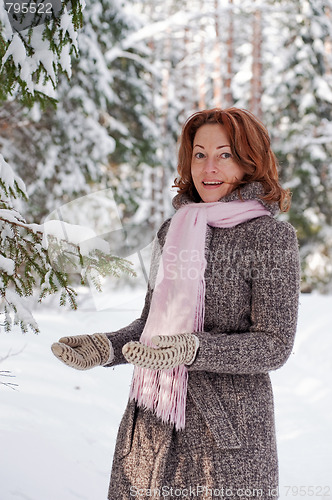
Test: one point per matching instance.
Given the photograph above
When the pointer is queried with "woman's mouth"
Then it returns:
(212, 184)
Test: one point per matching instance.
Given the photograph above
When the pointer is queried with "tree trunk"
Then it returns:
(228, 99)
(256, 79)
(328, 47)
(217, 80)
(202, 75)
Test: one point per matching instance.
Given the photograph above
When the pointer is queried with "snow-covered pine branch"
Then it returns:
(32, 59)
(34, 257)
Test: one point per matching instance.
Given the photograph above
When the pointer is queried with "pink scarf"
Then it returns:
(177, 304)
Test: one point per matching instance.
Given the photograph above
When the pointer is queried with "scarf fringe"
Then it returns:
(163, 392)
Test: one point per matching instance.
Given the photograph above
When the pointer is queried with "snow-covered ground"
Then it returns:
(58, 429)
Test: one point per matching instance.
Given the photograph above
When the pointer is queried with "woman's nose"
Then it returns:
(210, 165)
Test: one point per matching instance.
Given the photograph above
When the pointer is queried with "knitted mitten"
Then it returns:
(172, 350)
(84, 351)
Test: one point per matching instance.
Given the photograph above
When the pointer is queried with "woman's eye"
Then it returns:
(199, 155)
(226, 155)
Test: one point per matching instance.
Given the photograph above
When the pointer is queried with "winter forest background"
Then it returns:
(97, 106)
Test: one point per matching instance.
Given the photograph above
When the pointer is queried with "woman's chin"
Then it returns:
(212, 196)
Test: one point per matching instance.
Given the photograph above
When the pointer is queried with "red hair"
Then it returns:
(251, 148)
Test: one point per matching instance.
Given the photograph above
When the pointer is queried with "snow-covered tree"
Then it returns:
(300, 113)
(110, 125)
(35, 258)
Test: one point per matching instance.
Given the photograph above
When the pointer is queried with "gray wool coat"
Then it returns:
(228, 447)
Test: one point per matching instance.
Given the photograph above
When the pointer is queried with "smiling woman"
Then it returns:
(220, 313)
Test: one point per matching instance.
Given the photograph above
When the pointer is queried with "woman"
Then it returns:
(220, 313)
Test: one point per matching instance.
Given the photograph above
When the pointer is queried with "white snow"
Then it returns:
(58, 429)
(8, 176)
(7, 30)
(65, 60)
(66, 25)
(17, 50)
(7, 265)
(23, 308)
(83, 236)
(27, 66)
(41, 54)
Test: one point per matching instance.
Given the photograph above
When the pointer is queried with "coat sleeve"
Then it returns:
(134, 330)
(275, 284)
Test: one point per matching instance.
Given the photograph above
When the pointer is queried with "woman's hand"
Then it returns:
(170, 351)
(84, 351)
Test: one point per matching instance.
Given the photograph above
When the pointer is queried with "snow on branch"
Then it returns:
(29, 261)
(33, 57)
(9, 181)
(42, 257)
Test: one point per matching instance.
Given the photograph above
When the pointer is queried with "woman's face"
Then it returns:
(213, 167)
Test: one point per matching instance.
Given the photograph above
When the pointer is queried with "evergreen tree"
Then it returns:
(109, 124)
(38, 258)
(300, 113)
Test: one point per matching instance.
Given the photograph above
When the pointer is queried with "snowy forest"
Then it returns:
(92, 104)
